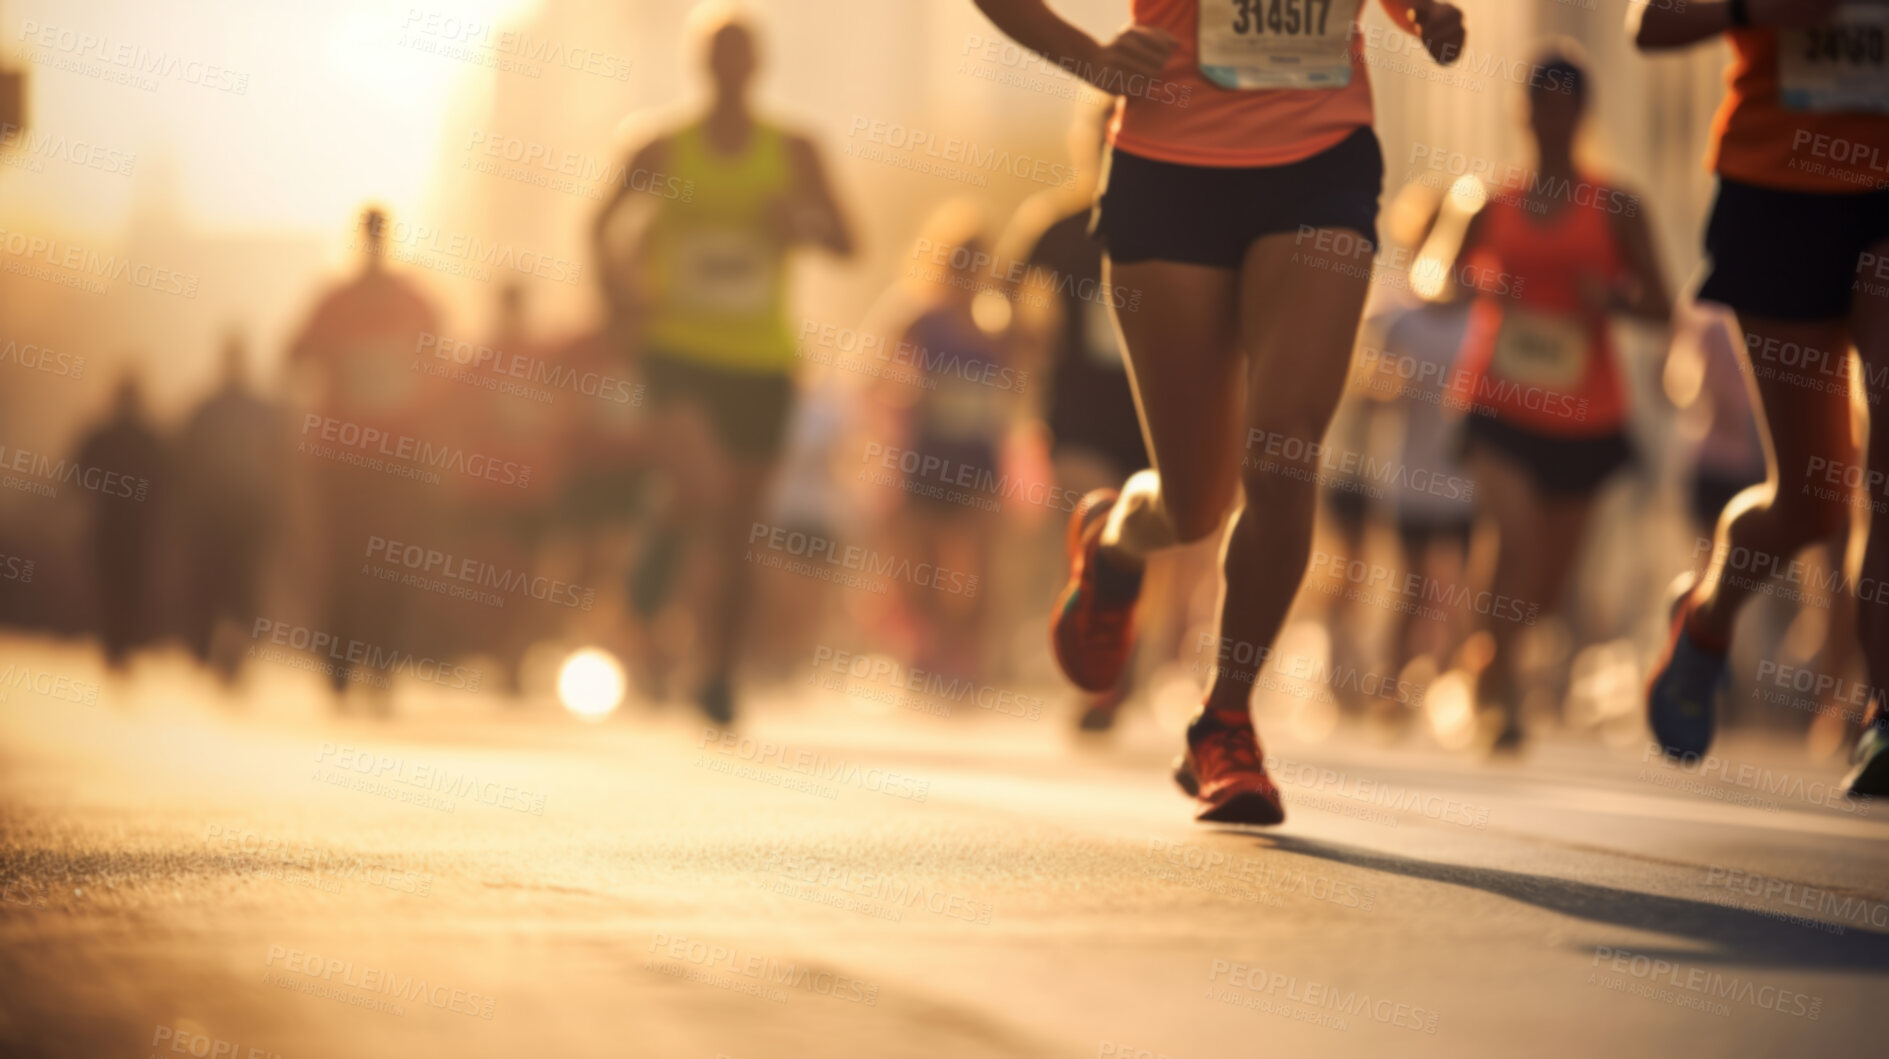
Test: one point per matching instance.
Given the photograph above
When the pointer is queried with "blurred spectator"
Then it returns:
(125, 458)
(231, 459)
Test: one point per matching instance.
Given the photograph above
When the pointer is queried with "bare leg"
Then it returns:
(1768, 523)
(1870, 325)
(1299, 312)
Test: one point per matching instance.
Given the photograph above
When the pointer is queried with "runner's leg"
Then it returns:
(1182, 345)
(1299, 313)
(1770, 522)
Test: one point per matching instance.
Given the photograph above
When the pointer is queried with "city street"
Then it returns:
(189, 873)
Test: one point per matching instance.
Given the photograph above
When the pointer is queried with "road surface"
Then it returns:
(185, 872)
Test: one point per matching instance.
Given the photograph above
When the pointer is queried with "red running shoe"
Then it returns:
(1093, 628)
(1223, 770)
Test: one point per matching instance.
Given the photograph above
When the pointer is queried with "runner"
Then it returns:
(1800, 251)
(1243, 223)
(705, 298)
(1550, 258)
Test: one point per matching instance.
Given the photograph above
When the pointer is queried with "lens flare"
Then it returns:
(591, 683)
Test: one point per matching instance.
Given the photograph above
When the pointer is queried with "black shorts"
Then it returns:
(747, 410)
(1790, 255)
(1208, 215)
(1559, 466)
(1419, 535)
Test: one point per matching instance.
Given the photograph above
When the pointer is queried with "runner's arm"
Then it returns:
(1647, 296)
(817, 217)
(652, 158)
(1438, 24)
(1658, 24)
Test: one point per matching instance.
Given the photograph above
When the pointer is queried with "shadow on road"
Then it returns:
(1736, 935)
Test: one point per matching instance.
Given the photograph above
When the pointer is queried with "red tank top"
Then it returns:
(1537, 356)
(1189, 119)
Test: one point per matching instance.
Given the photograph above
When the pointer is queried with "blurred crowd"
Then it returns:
(405, 493)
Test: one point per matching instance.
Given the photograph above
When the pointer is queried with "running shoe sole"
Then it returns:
(1247, 807)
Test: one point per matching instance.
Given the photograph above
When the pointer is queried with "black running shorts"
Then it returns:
(1208, 215)
(1559, 466)
(1791, 255)
(747, 410)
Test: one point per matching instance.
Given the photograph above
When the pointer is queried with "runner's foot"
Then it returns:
(1093, 630)
(717, 700)
(1870, 777)
(1222, 769)
(1681, 696)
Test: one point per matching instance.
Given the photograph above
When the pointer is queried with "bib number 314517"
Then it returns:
(1253, 44)
(1840, 65)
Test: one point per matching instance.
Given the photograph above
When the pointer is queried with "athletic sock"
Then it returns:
(1215, 719)
(1112, 581)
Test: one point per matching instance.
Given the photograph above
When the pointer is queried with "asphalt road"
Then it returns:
(186, 874)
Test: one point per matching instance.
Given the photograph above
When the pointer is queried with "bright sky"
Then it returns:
(341, 103)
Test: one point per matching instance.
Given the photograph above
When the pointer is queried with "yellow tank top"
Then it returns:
(717, 275)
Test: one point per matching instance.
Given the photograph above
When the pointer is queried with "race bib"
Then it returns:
(725, 270)
(1536, 350)
(1840, 65)
(1254, 44)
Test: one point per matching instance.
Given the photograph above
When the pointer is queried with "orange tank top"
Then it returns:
(1537, 357)
(1189, 118)
(1786, 122)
